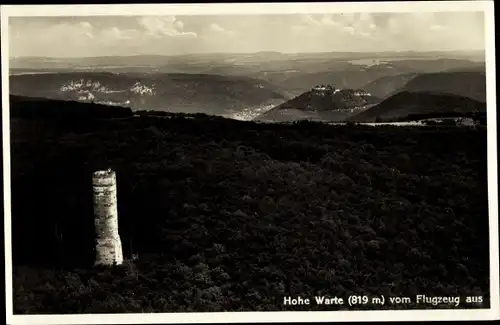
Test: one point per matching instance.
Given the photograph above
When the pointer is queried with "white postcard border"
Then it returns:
(257, 8)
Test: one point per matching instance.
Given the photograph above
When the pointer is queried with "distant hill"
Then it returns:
(475, 67)
(384, 86)
(358, 73)
(413, 105)
(175, 92)
(321, 103)
(463, 83)
(290, 73)
(350, 77)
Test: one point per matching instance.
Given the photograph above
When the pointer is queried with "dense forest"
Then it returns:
(225, 215)
(29, 108)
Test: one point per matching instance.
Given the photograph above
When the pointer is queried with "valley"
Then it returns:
(249, 86)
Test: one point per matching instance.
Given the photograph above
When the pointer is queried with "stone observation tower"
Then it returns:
(108, 243)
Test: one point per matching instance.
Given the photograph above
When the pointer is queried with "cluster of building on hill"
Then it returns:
(325, 89)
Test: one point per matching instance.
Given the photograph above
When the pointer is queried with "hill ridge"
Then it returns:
(471, 84)
(406, 105)
(321, 102)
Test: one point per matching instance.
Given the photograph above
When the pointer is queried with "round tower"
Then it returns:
(108, 243)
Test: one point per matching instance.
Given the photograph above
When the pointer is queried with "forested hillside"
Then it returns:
(233, 216)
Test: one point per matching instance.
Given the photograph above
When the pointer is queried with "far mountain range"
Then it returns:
(266, 86)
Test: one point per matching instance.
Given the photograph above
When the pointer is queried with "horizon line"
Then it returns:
(249, 53)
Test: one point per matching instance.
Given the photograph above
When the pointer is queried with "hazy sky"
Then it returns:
(131, 35)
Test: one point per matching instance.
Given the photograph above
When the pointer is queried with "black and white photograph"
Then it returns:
(239, 162)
